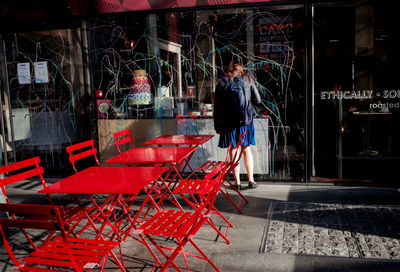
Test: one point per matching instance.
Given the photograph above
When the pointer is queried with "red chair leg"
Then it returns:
(204, 255)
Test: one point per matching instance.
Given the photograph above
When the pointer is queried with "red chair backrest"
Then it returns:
(82, 150)
(223, 169)
(208, 197)
(21, 222)
(19, 171)
(30, 222)
(122, 137)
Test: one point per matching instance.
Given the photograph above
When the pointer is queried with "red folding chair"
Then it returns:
(82, 150)
(30, 168)
(227, 186)
(192, 187)
(180, 226)
(122, 137)
(58, 251)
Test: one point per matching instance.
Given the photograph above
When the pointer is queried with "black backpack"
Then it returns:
(239, 104)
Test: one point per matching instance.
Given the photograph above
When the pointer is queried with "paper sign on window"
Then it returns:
(41, 72)
(24, 73)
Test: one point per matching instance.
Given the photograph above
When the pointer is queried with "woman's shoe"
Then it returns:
(238, 187)
(252, 185)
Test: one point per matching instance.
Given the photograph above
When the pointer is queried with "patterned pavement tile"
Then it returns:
(352, 231)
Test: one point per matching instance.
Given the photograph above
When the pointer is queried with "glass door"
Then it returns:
(356, 94)
(169, 95)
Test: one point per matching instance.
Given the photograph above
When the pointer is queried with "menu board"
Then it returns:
(274, 40)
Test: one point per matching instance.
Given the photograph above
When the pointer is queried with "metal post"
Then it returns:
(6, 92)
(3, 79)
(313, 94)
(309, 92)
(3, 157)
(339, 140)
(87, 82)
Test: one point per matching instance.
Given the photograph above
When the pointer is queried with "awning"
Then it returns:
(111, 6)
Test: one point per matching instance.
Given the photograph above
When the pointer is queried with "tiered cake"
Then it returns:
(140, 89)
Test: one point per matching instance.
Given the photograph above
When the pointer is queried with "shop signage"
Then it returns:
(41, 72)
(24, 73)
(274, 40)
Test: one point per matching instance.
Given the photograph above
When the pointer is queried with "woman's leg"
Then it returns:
(236, 170)
(248, 161)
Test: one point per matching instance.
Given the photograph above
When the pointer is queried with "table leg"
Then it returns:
(167, 193)
(105, 220)
(187, 159)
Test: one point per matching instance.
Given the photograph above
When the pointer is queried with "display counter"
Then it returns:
(147, 129)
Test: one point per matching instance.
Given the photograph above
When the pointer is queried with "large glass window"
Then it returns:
(44, 100)
(356, 91)
(165, 66)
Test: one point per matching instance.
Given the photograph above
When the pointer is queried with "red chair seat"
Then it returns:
(193, 186)
(55, 253)
(87, 253)
(209, 166)
(168, 223)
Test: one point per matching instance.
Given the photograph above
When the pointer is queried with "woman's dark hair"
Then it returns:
(231, 71)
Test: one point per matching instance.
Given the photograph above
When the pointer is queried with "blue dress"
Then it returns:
(227, 137)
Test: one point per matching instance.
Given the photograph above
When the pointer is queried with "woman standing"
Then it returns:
(233, 114)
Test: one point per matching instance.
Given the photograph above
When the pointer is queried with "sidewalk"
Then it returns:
(290, 227)
(251, 251)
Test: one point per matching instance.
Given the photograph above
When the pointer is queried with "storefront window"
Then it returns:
(356, 91)
(165, 65)
(44, 102)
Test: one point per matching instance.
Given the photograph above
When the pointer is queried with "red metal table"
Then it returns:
(106, 180)
(191, 140)
(115, 181)
(175, 156)
(179, 140)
